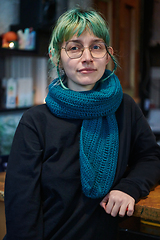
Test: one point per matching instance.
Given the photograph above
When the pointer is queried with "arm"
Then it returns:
(22, 189)
(143, 165)
(143, 171)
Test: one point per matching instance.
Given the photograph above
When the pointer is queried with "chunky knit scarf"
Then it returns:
(99, 138)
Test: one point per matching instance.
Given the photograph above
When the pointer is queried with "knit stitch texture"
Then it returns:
(99, 137)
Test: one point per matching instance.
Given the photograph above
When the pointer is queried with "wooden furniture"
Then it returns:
(149, 208)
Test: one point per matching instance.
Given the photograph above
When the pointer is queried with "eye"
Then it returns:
(74, 47)
(97, 46)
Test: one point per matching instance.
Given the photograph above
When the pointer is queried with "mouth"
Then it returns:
(86, 70)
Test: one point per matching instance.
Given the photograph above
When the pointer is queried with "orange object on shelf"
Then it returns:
(8, 37)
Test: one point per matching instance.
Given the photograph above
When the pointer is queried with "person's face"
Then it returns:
(82, 73)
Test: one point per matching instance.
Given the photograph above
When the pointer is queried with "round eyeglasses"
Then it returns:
(75, 49)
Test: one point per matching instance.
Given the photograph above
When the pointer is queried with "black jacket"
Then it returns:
(43, 195)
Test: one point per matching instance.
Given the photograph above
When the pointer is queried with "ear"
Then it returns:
(54, 60)
(51, 56)
(110, 50)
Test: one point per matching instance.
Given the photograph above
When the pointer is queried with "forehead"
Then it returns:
(86, 36)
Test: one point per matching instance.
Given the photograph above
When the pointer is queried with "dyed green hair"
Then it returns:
(75, 22)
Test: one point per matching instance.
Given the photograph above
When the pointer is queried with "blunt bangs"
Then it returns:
(76, 22)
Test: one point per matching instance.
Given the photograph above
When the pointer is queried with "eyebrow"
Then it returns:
(80, 41)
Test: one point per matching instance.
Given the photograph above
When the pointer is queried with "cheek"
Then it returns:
(69, 65)
(103, 65)
(68, 68)
(105, 62)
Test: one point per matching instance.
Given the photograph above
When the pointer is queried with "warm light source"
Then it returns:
(11, 45)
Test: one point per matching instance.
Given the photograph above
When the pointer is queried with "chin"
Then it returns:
(88, 81)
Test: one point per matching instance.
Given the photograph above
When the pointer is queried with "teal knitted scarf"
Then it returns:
(99, 137)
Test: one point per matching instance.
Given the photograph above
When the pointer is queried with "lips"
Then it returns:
(87, 70)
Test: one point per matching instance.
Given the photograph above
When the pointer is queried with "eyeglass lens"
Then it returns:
(75, 49)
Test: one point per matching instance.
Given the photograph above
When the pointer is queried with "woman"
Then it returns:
(85, 157)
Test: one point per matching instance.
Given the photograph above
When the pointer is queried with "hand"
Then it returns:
(118, 202)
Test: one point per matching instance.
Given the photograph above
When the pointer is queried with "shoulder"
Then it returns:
(129, 103)
(36, 111)
(40, 117)
(127, 99)
(37, 115)
(129, 108)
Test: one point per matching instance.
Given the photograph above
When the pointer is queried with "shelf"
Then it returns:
(16, 52)
(8, 110)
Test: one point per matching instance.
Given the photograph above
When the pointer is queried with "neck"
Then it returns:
(80, 88)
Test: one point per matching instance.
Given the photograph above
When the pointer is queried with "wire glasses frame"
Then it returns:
(75, 49)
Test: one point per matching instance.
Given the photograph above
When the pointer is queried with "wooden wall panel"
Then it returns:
(124, 22)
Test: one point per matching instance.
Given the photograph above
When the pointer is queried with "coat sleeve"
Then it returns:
(23, 204)
(143, 170)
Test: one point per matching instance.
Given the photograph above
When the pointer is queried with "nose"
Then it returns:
(86, 55)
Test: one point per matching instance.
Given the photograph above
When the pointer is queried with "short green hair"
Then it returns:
(76, 21)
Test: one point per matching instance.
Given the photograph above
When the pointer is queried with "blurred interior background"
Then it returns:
(25, 30)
